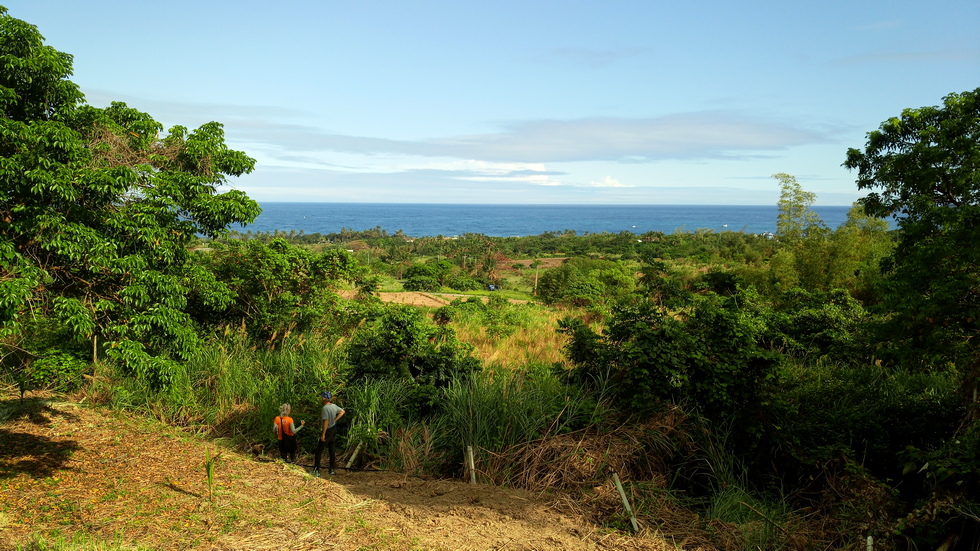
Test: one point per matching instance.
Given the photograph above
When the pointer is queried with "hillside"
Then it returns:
(70, 469)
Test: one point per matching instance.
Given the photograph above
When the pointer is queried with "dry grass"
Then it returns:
(68, 470)
(580, 459)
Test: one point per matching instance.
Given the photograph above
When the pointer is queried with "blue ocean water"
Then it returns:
(428, 220)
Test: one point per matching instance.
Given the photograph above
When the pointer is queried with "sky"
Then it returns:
(529, 102)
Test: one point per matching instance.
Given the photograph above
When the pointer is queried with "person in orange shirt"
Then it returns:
(286, 431)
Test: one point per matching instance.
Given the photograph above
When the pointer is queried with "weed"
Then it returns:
(209, 466)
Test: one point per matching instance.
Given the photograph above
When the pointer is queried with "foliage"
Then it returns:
(497, 316)
(493, 411)
(96, 209)
(273, 289)
(403, 343)
(922, 168)
(710, 356)
(44, 355)
(585, 282)
(824, 324)
(378, 408)
(422, 283)
(796, 220)
(229, 387)
(53, 370)
(865, 413)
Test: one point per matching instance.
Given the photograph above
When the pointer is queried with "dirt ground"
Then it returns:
(66, 468)
(413, 298)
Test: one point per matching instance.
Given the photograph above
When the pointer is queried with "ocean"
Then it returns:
(429, 220)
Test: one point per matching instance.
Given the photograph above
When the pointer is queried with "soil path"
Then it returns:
(70, 469)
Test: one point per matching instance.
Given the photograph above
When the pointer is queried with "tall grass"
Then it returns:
(229, 388)
(496, 410)
(532, 337)
(378, 409)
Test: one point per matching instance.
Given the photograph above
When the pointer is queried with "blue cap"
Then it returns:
(326, 395)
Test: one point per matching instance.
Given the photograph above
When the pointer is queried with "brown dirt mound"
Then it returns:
(69, 469)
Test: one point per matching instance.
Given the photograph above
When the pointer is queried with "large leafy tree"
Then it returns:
(923, 168)
(97, 207)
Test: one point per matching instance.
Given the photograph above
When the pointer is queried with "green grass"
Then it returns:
(77, 542)
(230, 388)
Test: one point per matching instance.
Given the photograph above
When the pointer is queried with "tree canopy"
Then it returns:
(923, 168)
(97, 208)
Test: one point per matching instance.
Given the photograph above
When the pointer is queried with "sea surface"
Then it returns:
(429, 220)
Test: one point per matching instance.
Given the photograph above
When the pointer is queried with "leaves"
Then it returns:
(96, 208)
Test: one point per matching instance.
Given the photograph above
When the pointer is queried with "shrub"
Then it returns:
(421, 283)
(403, 343)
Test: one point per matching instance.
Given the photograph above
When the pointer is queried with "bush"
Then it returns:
(464, 283)
(709, 356)
(403, 343)
(54, 370)
(421, 283)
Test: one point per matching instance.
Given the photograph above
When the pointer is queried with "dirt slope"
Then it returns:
(66, 468)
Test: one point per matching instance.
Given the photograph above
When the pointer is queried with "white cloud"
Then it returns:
(608, 181)
(717, 134)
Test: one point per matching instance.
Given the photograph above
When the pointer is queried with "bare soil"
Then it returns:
(414, 298)
(66, 468)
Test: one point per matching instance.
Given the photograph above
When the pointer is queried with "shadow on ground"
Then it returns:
(31, 454)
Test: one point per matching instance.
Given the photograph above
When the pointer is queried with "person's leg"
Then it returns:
(331, 438)
(316, 456)
(282, 449)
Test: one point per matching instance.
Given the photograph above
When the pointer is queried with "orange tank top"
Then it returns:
(285, 425)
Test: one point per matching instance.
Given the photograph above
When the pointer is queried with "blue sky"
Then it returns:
(533, 102)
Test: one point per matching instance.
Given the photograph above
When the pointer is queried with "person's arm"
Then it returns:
(275, 427)
(323, 433)
(339, 415)
(294, 428)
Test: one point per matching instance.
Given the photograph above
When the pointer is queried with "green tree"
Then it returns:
(404, 343)
(802, 239)
(97, 208)
(923, 168)
(272, 289)
(796, 219)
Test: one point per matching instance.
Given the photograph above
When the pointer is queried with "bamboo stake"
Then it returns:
(626, 502)
(471, 464)
(353, 456)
